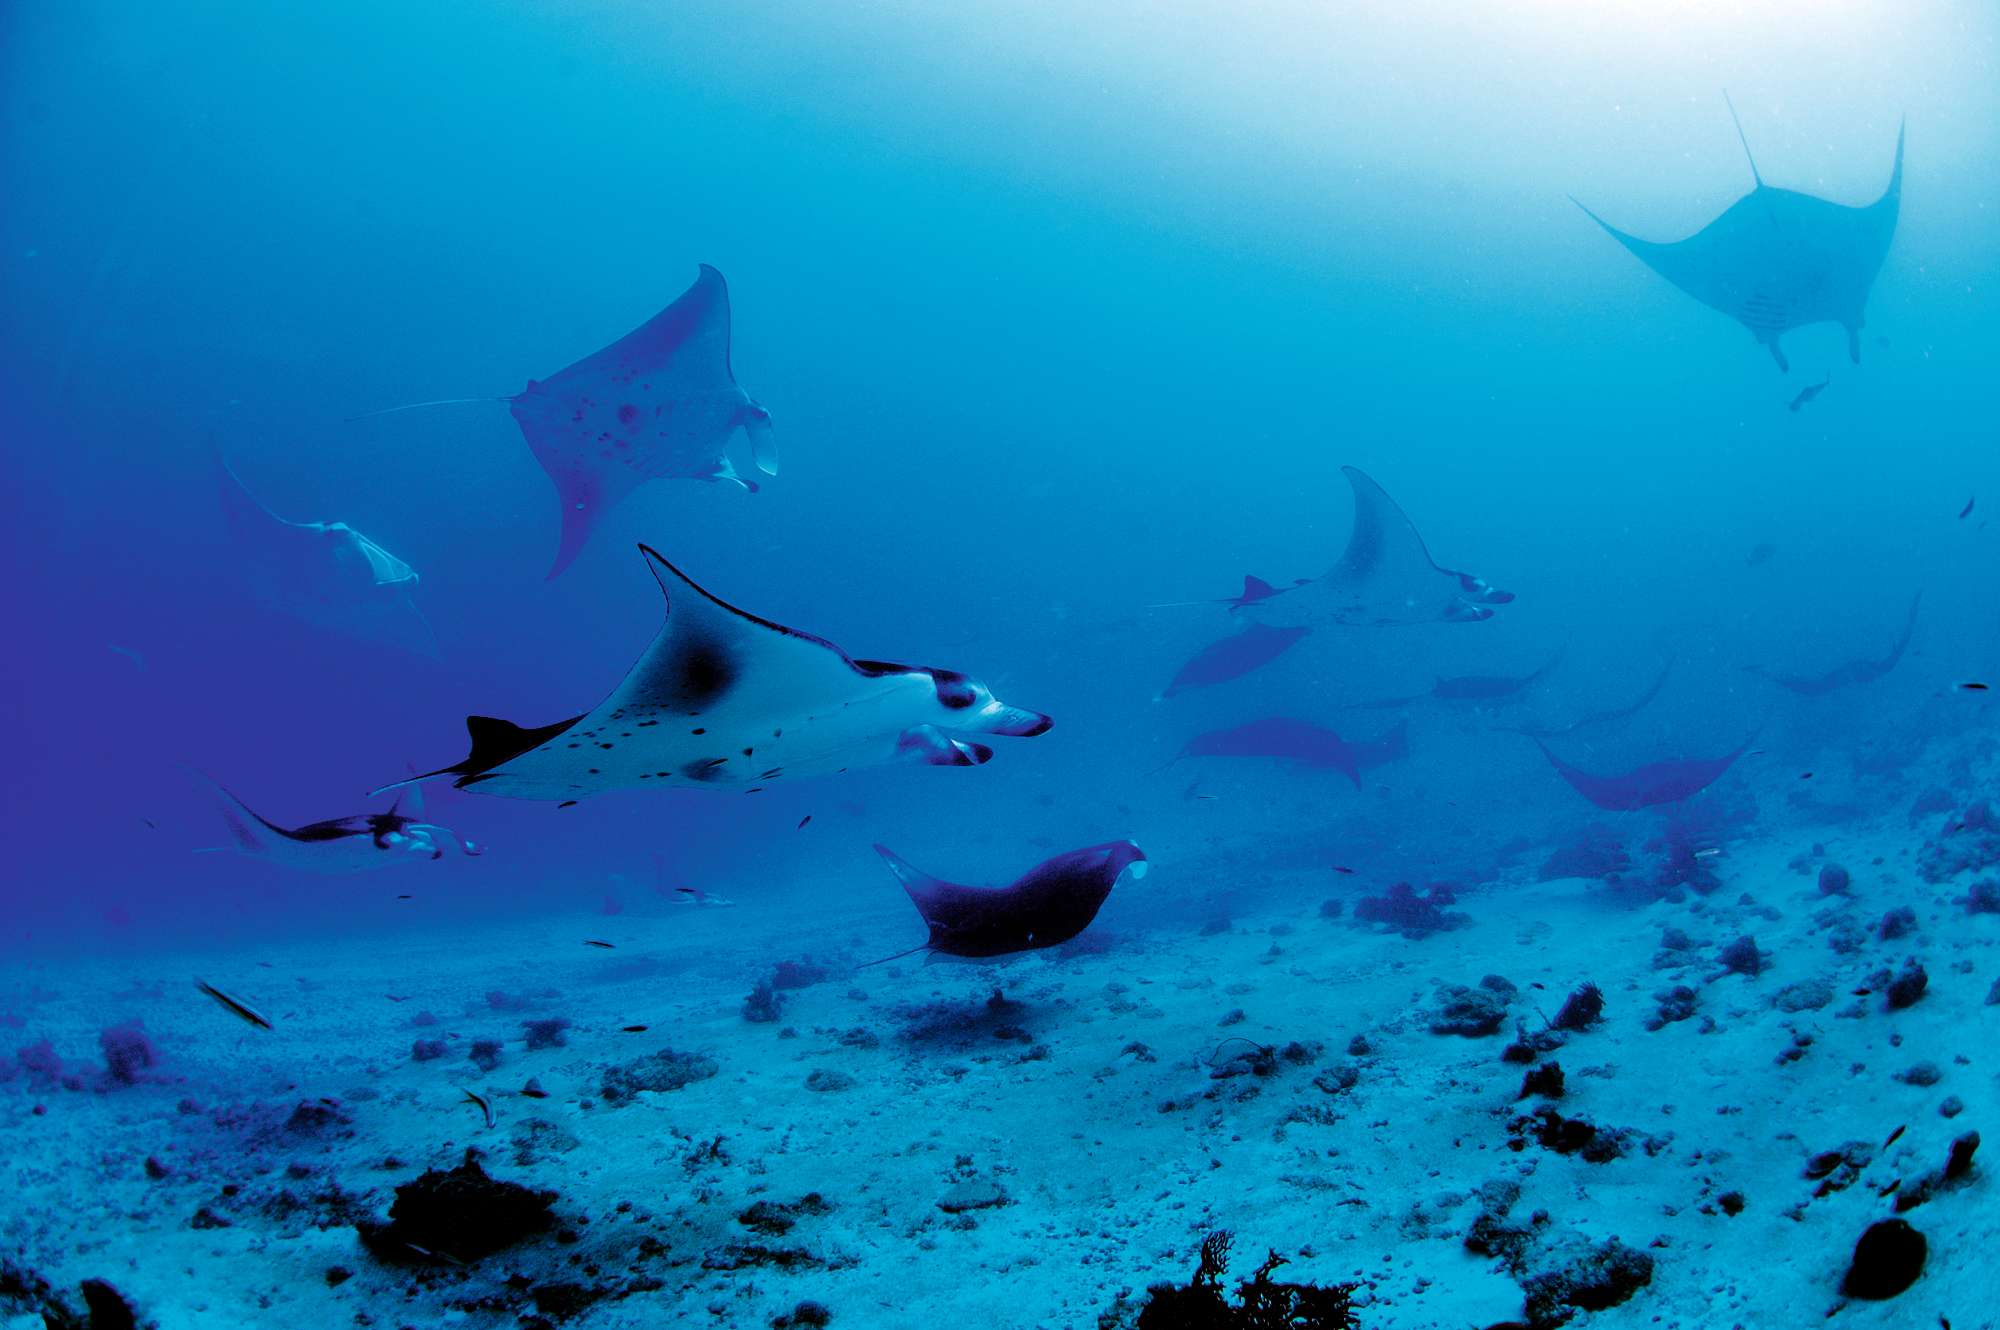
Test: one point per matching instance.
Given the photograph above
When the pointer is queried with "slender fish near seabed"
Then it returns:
(484, 1106)
(597, 942)
(242, 1010)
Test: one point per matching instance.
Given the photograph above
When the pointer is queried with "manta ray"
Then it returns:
(1777, 259)
(324, 573)
(659, 402)
(1385, 577)
(338, 845)
(1303, 742)
(724, 699)
(1851, 673)
(1044, 907)
(1592, 718)
(1654, 783)
(1472, 687)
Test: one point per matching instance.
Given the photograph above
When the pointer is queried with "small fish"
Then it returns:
(1895, 1135)
(1810, 391)
(567, 803)
(802, 821)
(1973, 687)
(634, 1029)
(1706, 854)
(131, 655)
(406, 896)
(696, 896)
(1760, 554)
(597, 942)
(430, 1255)
(484, 1106)
(1343, 868)
(1206, 798)
(1966, 511)
(1805, 775)
(242, 1011)
(149, 822)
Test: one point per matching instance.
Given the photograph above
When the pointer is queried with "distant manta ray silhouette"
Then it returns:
(659, 402)
(1777, 259)
(1385, 577)
(324, 573)
(1475, 688)
(1589, 719)
(1851, 673)
(1301, 742)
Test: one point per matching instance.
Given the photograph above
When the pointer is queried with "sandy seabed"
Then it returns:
(905, 1151)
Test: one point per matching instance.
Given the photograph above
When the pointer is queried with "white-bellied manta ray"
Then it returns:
(660, 402)
(1778, 259)
(1044, 907)
(1385, 577)
(325, 573)
(724, 699)
(338, 845)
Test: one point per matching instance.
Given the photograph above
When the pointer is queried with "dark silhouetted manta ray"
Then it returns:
(1044, 907)
(337, 845)
(1477, 688)
(1604, 717)
(1385, 577)
(1851, 673)
(723, 698)
(1778, 260)
(659, 402)
(1303, 742)
(1654, 783)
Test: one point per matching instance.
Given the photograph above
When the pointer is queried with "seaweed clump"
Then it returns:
(1262, 1303)
(459, 1215)
(1412, 913)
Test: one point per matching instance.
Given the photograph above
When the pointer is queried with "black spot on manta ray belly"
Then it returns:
(702, 675)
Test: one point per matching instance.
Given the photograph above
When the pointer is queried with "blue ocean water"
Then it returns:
(1066, 317)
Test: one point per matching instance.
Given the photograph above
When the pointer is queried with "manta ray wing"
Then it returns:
(724, 698)
(659, 402)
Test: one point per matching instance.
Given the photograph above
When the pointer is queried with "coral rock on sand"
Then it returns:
(1887, 1260)
(1473, 1012)
(661, 1072)
(971, 1194)
(461, 1214)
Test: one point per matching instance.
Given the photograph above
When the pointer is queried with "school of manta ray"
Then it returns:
(722, 699)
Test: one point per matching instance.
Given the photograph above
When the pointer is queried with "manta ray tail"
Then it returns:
(494, 742)
(418, 406)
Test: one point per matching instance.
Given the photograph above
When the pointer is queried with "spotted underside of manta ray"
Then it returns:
(323, 573)
(1044, 907)
(1644, 786)
(659, 402)
(725, 699)
(1778, 259)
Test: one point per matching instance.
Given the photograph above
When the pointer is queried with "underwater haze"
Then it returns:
(1094, 631)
